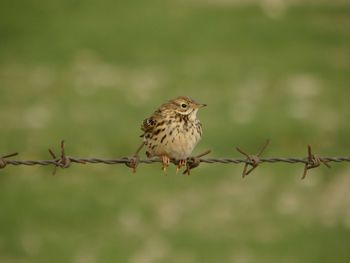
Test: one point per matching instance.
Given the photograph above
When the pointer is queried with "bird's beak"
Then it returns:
(201, 105)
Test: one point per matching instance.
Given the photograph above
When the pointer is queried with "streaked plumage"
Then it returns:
(173, 130)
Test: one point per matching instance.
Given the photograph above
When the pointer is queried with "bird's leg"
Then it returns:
(165, 162)
(180, 164)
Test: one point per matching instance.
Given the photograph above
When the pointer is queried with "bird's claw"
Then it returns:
(180, 164)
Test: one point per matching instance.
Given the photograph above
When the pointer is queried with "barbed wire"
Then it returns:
(251, 161)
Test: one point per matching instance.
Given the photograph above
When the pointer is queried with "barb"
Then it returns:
(3, 161)
(252, 160)
(135, 160)
(313, 161)
(65, 161)
(193, 162)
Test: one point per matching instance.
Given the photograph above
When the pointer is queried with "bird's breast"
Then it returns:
(175, 138)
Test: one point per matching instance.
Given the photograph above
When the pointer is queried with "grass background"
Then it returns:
(90, 71)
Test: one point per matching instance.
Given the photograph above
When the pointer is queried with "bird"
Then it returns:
(173, 130)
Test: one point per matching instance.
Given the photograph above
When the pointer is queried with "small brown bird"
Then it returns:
(173, 131)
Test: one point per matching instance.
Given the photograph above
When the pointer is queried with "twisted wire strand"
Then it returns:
(126, 160)
(251, 161)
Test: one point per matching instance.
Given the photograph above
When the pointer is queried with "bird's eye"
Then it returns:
(184, 106)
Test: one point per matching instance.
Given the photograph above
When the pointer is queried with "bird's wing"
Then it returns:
(148, 124)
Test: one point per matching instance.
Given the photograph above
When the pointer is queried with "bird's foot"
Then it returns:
(165, 162)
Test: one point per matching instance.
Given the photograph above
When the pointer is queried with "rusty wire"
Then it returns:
(64, 161)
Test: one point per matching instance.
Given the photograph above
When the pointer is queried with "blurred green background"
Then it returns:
(90, 71)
